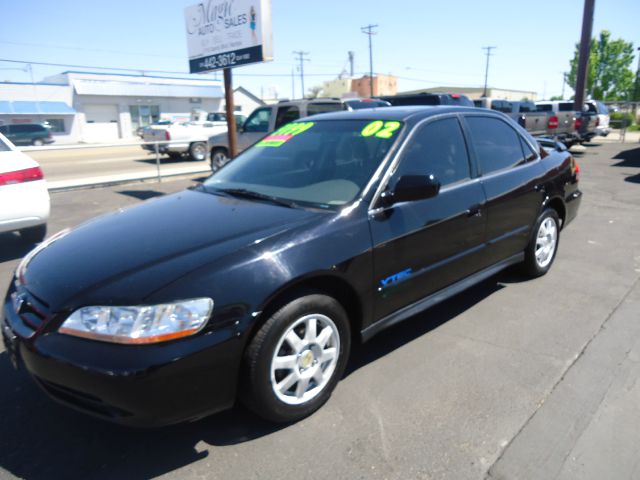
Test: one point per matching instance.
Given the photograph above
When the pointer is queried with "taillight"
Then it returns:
(575, 167)
(21, 176)
(577, 124)
(167, 135)
(553, 122)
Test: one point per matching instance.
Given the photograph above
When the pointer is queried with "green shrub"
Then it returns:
(618, 117)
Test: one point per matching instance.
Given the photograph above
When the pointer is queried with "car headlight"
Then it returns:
(139, 324)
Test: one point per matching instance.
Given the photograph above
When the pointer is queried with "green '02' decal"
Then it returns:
(380, 129)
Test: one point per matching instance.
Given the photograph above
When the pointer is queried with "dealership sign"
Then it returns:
(228, 33)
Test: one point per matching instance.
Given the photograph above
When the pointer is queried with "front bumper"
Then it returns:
(138, 385)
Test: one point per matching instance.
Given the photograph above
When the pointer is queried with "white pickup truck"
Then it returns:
(188, 138)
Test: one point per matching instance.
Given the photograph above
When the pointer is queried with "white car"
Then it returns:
(24, 198)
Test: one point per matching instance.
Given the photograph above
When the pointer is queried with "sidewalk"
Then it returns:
(615, 137)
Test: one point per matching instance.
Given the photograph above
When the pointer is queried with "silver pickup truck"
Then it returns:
(562, 120)
(523, 112)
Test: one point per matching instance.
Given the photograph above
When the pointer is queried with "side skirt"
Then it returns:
(439, 296)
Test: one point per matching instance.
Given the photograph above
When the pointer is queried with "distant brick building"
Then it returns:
(360, 87)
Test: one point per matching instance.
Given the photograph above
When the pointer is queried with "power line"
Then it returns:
(140, 70)
(486, 72)
(301, 58)
(368, 30)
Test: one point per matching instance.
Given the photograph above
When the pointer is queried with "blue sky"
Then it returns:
(424, 43)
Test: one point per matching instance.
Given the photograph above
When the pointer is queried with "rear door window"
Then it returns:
(496, 144)
(565, 107)
(286, 115)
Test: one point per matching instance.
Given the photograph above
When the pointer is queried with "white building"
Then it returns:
(94, 107)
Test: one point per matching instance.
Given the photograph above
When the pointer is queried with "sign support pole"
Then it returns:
(231, 121)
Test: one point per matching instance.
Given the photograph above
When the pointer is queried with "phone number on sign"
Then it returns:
(223, 60)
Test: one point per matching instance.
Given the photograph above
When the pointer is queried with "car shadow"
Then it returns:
(633, 178)
(142, 194)
(629, 158)
(164, 159)
(42, 440)
(12, 246)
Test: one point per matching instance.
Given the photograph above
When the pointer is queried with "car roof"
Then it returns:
(405, 113)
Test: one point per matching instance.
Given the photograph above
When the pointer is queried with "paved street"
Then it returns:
(512, 379)
(74, 166)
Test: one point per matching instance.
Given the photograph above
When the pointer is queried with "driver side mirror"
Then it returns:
(410, 188)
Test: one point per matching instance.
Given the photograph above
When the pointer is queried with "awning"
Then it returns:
(35, 108)
(152, 88)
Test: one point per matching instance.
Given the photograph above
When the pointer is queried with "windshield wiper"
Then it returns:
(244, 193)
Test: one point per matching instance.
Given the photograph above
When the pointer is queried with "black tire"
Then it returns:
(219, 158)
(259, 380)
(533, 266)
(198, 151)
(34, 234)
(37, 142)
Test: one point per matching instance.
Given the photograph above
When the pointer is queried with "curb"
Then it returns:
(100, 182)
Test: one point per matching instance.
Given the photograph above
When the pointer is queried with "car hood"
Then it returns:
(158, 237)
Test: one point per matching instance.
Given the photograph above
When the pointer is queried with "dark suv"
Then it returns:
(254, 284)
(431, 99)
(27, 134)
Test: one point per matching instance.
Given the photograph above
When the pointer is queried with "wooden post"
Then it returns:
(231, 121)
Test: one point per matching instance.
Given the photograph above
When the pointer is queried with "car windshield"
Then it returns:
(314, 163)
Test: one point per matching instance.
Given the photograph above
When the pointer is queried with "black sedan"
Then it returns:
(253, 285)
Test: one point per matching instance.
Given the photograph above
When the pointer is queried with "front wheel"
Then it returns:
(542, 248)
(219, 158)
(296, 359)
(198, 151)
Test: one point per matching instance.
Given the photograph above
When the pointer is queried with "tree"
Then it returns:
(556, 97)
(314, 92)
(609, 75)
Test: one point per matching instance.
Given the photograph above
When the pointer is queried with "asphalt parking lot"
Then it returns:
(512, 379)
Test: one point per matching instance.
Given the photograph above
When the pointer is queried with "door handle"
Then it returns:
(474, 211)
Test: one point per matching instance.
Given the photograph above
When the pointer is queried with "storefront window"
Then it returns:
(143, 115)
(56, 125)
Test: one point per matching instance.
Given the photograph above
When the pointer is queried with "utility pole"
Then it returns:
(351, 56)
(293, 85)
(583, 59)
(301, 58)
(368, 30)
(564, 81)
(636, 88)
(486, 71)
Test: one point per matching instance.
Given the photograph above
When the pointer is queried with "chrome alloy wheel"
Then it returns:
(546, 241)
(198, 151)
(305, 359)
(219, 159)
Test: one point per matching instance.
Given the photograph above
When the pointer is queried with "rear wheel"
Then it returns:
(37, 142)
(542, 248)
(198, 151)
(296, 358)
(34, 234)
(219, 158)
